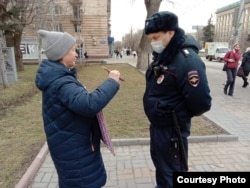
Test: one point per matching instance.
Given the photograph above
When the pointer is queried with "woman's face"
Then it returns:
(237, 47)
(69, 60)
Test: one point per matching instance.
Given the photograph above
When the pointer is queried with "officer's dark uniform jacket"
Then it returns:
(180, 83)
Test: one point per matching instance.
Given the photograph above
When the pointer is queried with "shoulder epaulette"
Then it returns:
(185, 51)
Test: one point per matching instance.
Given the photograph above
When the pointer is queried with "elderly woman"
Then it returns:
(70, 113)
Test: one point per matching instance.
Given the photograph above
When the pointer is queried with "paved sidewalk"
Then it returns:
(132, 166)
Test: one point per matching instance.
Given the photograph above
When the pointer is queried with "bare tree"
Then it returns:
(17, 15)
(2, 63)
(144, 49)
(118, 45)
(130, 40)
(137, 39)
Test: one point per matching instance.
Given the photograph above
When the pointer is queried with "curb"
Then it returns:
(38, 161)
(191, 139)
(33, 168)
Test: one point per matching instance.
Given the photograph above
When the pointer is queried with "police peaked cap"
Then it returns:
(161, 21)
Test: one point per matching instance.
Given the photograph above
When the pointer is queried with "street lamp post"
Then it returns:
(238, 24)
(51, 8)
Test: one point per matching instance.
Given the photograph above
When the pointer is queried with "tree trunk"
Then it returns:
(144, 51)
(15, 41)
(18, 53)
(3, 71)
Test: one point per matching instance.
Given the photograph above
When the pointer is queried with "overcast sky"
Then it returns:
(125, 15)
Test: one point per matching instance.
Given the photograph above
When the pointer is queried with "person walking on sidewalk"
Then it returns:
(176, 90)
(246, 67)
(70, 113)
(231, 58)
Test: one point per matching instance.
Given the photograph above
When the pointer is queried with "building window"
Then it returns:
(58, 10)
(59, 27)
(76, 12)
(77, 28)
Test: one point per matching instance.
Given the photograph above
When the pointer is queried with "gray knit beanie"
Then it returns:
(56, 44)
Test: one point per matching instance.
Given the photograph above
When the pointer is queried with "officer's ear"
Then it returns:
(171, 33)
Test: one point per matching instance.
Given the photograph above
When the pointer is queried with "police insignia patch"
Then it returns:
(193, 78)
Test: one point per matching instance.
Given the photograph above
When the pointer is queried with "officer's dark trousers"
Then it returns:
(231, 75)
(162, 154)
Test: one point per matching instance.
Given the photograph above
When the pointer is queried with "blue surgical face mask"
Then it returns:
(157, 46)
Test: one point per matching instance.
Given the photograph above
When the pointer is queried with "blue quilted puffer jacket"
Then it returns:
(70, 123)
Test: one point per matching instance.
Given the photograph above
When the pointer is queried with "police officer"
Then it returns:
(176, 89)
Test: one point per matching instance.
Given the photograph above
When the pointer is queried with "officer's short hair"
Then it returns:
(161, 21)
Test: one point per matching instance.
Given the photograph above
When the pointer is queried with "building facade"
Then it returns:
(87, 20)
(233, 24)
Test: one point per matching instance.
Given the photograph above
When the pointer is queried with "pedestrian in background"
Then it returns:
(69, 113)
(117, 53)
(231, 58)
(176, 90)
(246, 67)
